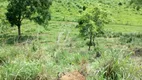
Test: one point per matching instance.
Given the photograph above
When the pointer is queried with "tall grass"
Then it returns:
(22, 63)
(43, 55)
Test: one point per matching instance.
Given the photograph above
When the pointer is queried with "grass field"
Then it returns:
(124, 28)
(59, 51)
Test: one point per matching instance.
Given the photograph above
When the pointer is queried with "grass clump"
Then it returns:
(113, 66)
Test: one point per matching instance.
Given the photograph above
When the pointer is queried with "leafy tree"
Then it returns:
(91, 23)
(136, 3)
(37, 10)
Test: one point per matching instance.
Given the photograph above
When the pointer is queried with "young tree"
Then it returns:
(37, 10)
(91, 23)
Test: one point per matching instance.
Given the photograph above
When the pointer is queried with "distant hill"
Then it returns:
(120, 10)
(70, 10)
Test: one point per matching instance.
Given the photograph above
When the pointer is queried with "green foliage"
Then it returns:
(3, 27)
(49, 54)
(17, 10)
(131, 39)
(137, 2)
(91, 23)
(40, 58)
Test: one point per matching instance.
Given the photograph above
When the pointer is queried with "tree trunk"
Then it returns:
(94, 41)
(19, 32)
(90, 44)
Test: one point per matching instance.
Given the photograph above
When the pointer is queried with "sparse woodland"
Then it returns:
(70, 40)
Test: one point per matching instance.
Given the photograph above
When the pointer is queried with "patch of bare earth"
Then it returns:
(73, 76)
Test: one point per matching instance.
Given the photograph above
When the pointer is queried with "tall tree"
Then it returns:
(37, 10)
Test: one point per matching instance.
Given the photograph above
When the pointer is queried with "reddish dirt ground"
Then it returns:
(73, 76)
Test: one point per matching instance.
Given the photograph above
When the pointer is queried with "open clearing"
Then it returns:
(59, 52)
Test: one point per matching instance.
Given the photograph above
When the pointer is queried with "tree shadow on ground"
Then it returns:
(138, 52)
(12, 39)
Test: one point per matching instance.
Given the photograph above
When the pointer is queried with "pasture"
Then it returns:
(58, 52)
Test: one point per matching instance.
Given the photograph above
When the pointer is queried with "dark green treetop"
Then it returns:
(136, 3)
(37, 10)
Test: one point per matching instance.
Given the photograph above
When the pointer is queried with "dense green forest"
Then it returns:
(70, 40)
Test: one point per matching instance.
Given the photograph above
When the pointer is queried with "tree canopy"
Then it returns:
(37, 10)
(91, 23)
(136, 3)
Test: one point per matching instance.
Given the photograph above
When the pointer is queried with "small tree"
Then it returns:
(37, 10)
(91, 23)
